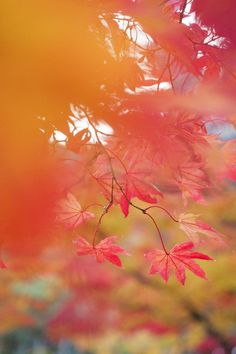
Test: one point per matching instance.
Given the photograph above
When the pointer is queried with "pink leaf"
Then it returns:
(194, 227)
(104, 250)
(70, 213)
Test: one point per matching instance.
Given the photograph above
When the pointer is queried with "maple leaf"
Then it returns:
(193, 228)
(191, 180)
(134, 186)
(103, 176)
(70, 213)
(178, 259)
(104, 250)
(130, 184)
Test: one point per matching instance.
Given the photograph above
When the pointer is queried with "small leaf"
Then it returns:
(70, 213)
(104, 250)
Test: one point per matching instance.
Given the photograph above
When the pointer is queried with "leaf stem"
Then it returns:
(158, 231)
(105, 211)
(114, 179)
(165, 210)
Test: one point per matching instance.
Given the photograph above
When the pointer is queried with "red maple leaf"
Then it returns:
(104, 250)
(134, 185)
(70, 213)
(128, 184)
(178, 259)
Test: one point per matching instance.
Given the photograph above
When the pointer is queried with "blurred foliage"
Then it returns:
(51, 301)
(105, 310)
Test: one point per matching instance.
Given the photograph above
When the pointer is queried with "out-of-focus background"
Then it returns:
(52, 302)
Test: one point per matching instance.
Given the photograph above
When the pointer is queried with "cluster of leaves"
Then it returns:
(155, 139)
(137, 130)
(98, 309)
(149, 81)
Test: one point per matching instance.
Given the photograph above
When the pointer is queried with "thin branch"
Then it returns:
(182, 11)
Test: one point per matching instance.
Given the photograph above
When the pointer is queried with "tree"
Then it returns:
(148, 82)
(143, 67)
